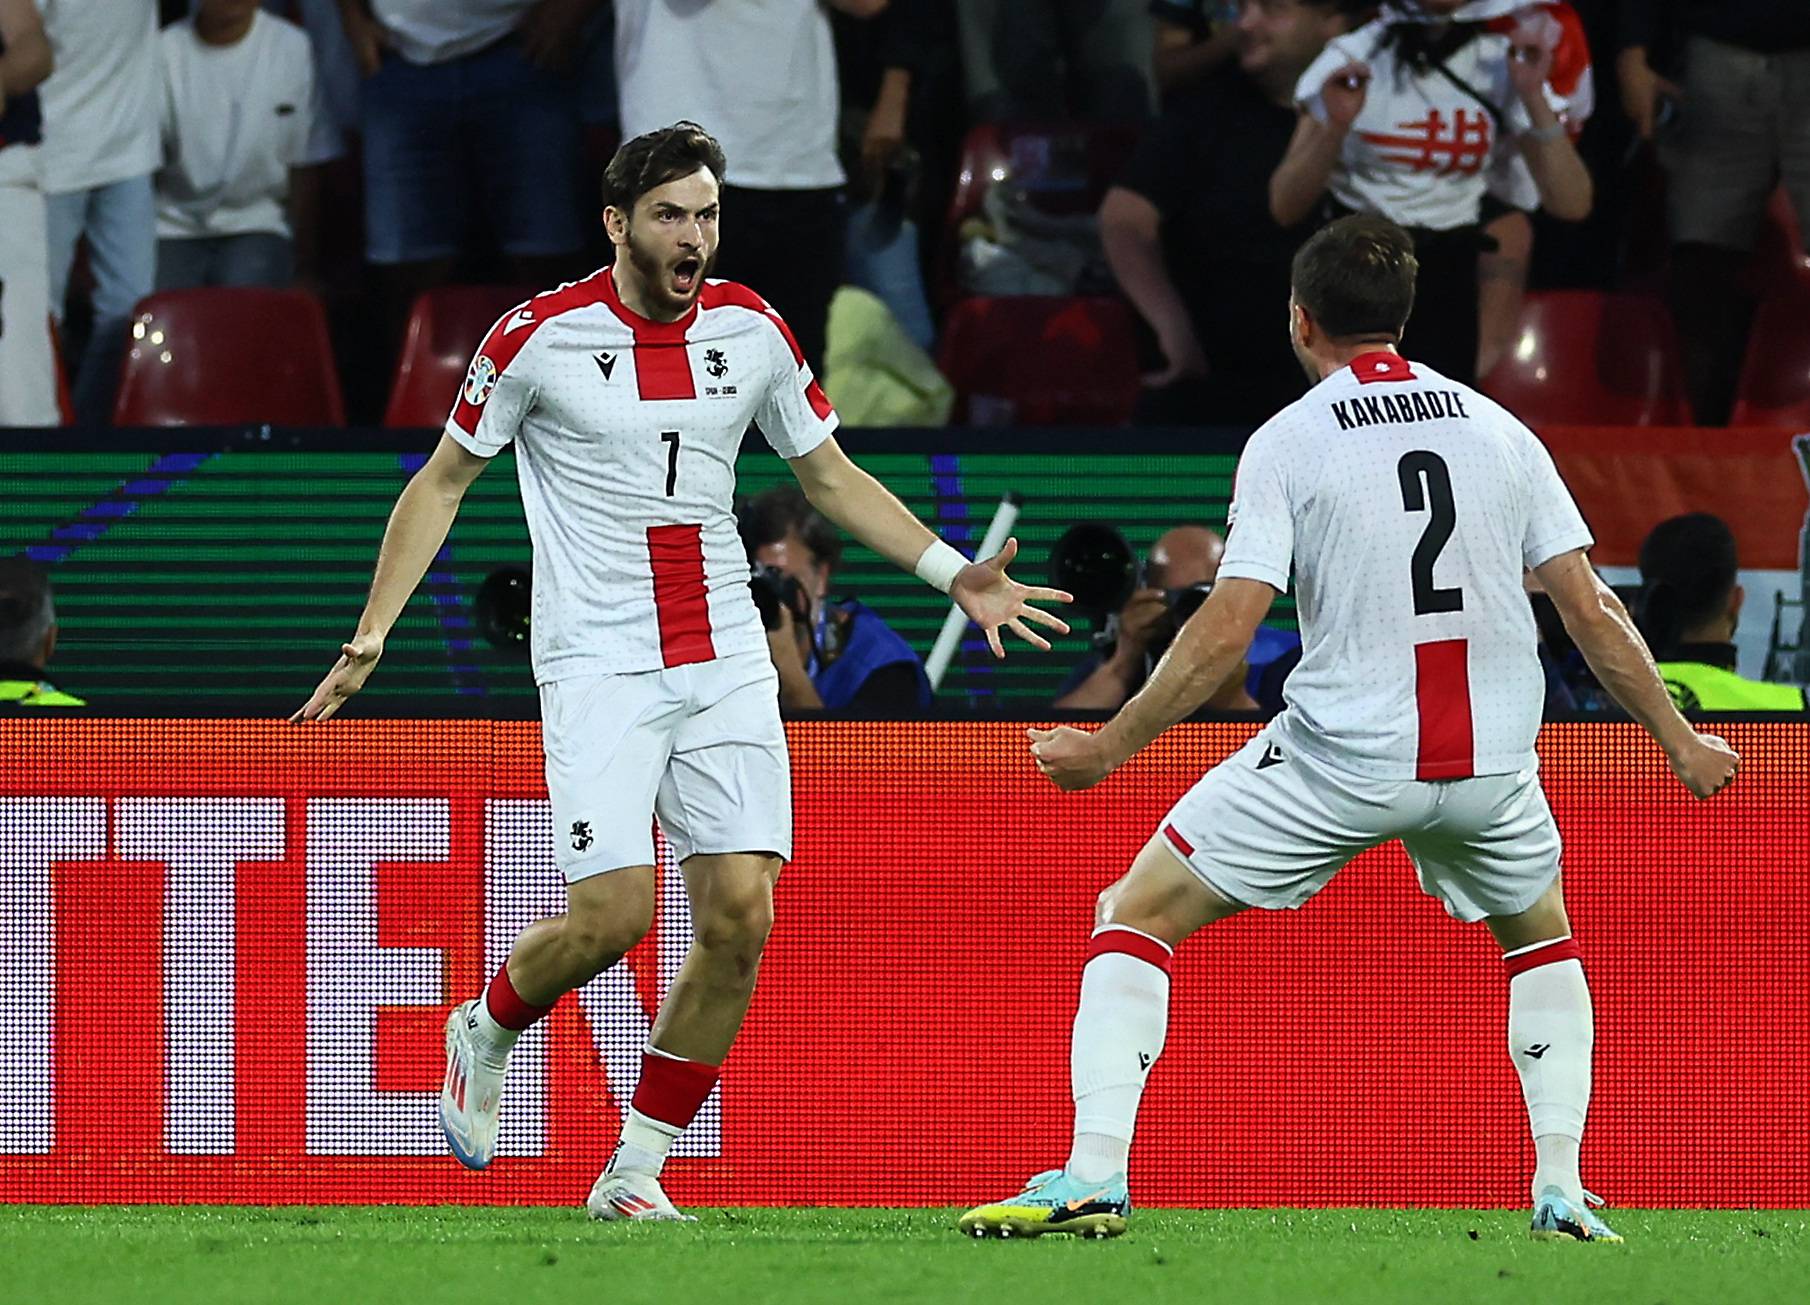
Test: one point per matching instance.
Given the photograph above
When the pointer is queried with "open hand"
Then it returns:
(1072, 759)
(991, 599)
(356, 662)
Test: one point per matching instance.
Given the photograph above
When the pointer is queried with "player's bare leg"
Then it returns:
(1118, 1035)
(1551, 1033)
(732, 913)
(606, 914)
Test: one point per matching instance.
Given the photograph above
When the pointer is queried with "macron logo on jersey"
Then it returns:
(1416, 405)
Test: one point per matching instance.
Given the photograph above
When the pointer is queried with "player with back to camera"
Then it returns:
(1408, 506)
(628, 394)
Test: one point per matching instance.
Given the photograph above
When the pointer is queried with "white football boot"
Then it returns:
(470, 1095)
(624, 1195)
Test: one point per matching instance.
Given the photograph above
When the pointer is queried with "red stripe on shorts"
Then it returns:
(1182, 845)
(1442, 692)
(681, 599)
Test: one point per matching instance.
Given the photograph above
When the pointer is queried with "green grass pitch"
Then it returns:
(413, 1256)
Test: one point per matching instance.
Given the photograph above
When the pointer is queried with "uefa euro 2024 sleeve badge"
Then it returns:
(480, 380)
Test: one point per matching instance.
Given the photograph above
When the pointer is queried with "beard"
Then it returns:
(672, 280)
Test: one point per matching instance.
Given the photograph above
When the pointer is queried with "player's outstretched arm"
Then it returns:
(423, 514)
(866, 509)
(1605, 633)
(1208, 648)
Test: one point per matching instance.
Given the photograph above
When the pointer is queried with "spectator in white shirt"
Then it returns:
(28, 374)
(242, 124)
(100, 148)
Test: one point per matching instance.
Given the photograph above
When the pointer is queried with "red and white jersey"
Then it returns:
(1408, 505)
(627, 432)
(1424, 150)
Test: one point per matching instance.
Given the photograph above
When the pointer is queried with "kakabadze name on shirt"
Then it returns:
(1416, 405)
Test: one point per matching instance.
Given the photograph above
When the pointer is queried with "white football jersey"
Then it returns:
(627, 432)
(1424, 149)
(1409, 505)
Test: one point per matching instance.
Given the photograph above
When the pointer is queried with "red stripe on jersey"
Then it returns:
(1182, 845)
(663, 370)
(1127, 942)
(681, 599)
(1562, 949)
(1442, 691)
(819, 401)
(1381, 365)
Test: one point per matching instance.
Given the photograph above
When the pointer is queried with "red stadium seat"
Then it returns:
(222, 357)
(1028, 360)
(445, 328)
(1775, 377)
(1588, 358)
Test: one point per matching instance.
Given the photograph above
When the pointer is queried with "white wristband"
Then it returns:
(938, 565)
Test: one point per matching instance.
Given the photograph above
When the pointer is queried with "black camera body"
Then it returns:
(774, 589)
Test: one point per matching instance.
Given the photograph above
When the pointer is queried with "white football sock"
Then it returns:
(644, 1144)
(1551, 1032)
(1119, 1032)
(492, 1041)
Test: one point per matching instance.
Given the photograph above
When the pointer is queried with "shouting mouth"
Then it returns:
(686, 275)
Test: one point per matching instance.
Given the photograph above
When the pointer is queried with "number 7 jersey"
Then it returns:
(627, 432)
(1408, 505)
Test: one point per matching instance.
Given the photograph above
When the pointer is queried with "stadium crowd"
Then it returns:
(913, 184)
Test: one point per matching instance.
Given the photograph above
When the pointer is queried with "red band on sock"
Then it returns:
(506, 1006)
(1132, 944)
(671, 1090)
(1565, 949)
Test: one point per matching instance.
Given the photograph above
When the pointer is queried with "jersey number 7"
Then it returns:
(1412, 468)
(670, 438)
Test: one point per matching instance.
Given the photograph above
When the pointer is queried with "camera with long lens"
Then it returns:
(1096, 564)
(774, 589)
(503, 607)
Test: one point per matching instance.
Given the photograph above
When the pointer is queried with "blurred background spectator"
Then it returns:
(470, 118)
(243, 123)
(1724, 89)
(1193, 37)
(28, 378)
(1188, 231)
(762, 79)
(100, 149)
(1438, 114)
(1050, 59)
(831, 653)
(28, 636)
(1690, 605)
(1181, 568)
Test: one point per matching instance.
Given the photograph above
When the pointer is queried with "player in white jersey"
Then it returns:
(627, 395)
(1408, 508)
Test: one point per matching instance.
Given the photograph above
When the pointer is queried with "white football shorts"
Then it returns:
(1269, 827)
(700, 746)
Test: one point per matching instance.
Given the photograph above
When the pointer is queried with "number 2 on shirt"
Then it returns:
(1438, 497)
(670, 438)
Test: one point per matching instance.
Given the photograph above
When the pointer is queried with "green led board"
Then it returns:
(193, 573)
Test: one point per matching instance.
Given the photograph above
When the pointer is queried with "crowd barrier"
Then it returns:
(227, 949)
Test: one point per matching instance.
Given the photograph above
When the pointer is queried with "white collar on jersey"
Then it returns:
(1473, 11)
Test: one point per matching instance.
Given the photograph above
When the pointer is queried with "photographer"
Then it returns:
(1182, 563)
(831, 654)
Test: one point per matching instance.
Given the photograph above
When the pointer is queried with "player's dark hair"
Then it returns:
(771, 514)
(1687, 571)
(657, 157)
(1355, 277)
(26, 611)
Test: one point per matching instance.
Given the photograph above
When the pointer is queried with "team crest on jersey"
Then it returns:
(715, 363)
(480, 380)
